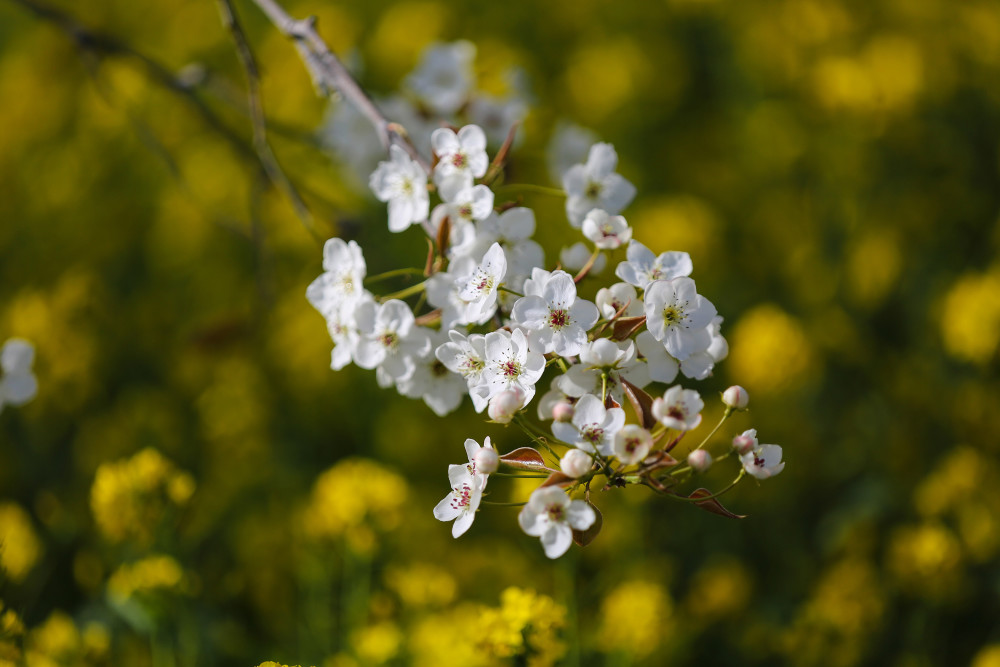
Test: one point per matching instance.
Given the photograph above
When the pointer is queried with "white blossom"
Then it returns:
(632, 444)
(497, 116)
(659, 364)
(510, 364)
(612, 299)
(557, 321)
(467, 357)
(462, 153)
(513, 230)
(604, 357)
(444, 78)
(553, 517)
(593, 427)
(505, 405)
(762, 461)
(568, 146)
(642, 267)
(18, 384)
(596, 185)
(480, 289)
(461, 504)
(403, 183)
(679, 408)
(678, 316)
(389, 339)
(440, 388)
(605, 231)
(342, 280)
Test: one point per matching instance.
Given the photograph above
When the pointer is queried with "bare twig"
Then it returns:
(94, 46)
(268, 161)
(330, 76)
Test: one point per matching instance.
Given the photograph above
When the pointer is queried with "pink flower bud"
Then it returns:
(736, 397)
(576, 463)
(505, 405)
(700, 460)
(487, 460)
(743, 444)
(563, 412)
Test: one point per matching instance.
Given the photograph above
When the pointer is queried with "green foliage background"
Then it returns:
(832, 167)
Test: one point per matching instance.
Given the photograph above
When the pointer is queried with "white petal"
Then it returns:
(557, 539)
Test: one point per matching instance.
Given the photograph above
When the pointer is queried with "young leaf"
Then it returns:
(626, 326)
(713, 505)
(525, 458)
(641, 402)
(557, 479)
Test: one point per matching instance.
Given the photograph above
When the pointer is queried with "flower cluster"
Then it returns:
(490, 319)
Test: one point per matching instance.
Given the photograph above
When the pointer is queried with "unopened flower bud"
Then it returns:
(576, 463)
(743, 444)
(487, 460)
(699, 460)
(563, 412)
(736, 397)
(505, 405)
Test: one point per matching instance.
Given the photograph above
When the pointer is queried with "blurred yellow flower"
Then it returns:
(58, 641)
(19, 544)
(634, 617)
(970, 317)
(421, 584)
(526, 624)
(351, 499)
(377, 644)
(152, 573)
(770, 351)
(131, 497)
(988, 656)
(926, 560)
(11, 632)
(720, 589)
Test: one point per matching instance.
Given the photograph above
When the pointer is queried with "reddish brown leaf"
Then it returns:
(443, 235)
(626, 326)
(585, 537)
(557, 479)
(658, 461)
(525, 458)
(641, 402)
(610, 402)
(713, 505)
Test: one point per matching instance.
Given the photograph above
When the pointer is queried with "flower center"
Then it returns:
(465, 211)
(592, 434)
(632, 444)
(758, 461)
(511, 369)
(438, 369)
(593, 190)
(558, 319)
(555, 511)
(459, 160)
(389, 339)
(672, 315)
(472, 365)
(462, 497)
(677, 412)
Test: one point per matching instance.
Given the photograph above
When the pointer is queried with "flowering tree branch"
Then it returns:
(268, 161)
(329, 75)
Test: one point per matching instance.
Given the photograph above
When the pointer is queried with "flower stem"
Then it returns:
(405, 292)
(725, 416)
(490, 502)
(408, 271)
(531, 187)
